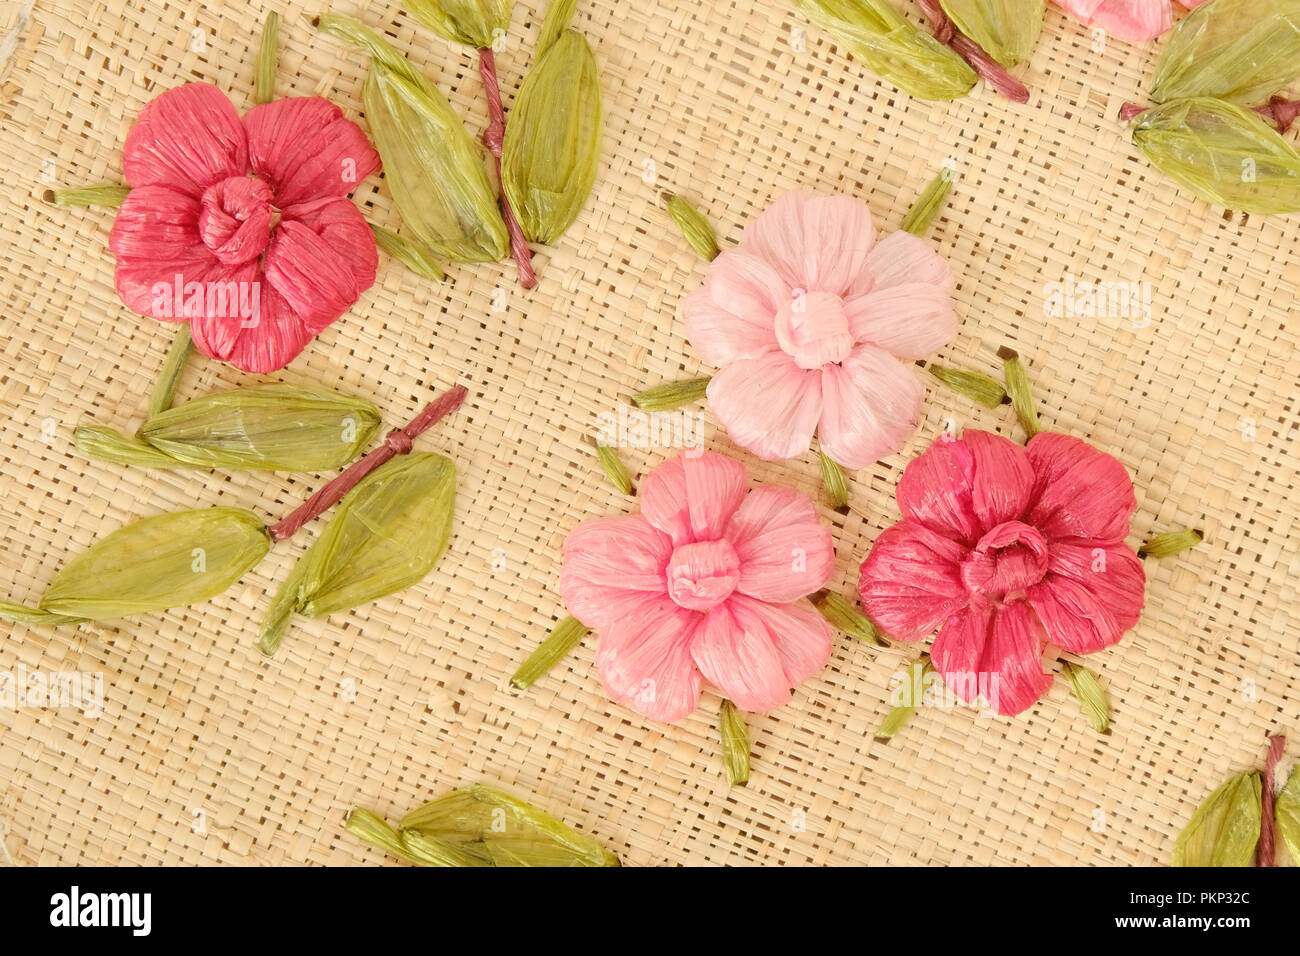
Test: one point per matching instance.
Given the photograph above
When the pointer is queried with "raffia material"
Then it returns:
(208, 753)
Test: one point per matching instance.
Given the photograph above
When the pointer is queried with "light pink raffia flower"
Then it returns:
(1133, 20)
(815, 325)
(708, 582)
(1004, 549)
(242, 228)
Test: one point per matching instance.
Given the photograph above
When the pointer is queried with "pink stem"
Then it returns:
(1281, 112)
(990, 69)
(494, 138)
(1131, 111)
(1267, 849)
(397, 442)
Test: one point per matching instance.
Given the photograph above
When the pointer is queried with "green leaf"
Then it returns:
(735, 744)
(1243, 51)
(387, 534)
(1224, 831)
(435, 170)
(1286, 815)
(471, 22)
(168, 560)
(552, 143)
(876, 33)
(1007, 29)
(504, 831)
(1091, 696)
(1223, 153)
(564, 637)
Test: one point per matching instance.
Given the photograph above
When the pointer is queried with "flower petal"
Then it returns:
(644, 660)
(609, 565)
(155, 240)
(691, 497)
(909, 321)
(902, 259)
(910, 582)
(306, 149)
(816, 243)
(767, 404)
(785, 552)
(321, 258)
(1136, 21)
(187, 138)
(964, 487)
(996, 653)
(870, 404)
(802, 636)
(732, 316)
(1079, 492)
(736, 653)
(1090, 596)
(267, 340)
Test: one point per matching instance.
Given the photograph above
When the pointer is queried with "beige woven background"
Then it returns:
(403, 699)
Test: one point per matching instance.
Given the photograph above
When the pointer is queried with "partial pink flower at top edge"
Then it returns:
(815, 325)
(1005, 549)
(241, 227)
(1133, 20)
(708, 582)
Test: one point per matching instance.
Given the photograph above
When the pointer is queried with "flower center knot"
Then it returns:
(703, 575)
(1008, 560)
(236, 219)
(813, 330)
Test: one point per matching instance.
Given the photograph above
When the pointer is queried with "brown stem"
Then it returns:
(398, 442)
(494, 138)
(990, 69)
(1131, 111)
(1267, 849)
(1281, 112)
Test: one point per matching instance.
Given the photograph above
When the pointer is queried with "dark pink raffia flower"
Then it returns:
(1004, 549)
(242, 228)
(708, 582)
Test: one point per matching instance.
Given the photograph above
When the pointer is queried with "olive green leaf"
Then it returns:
(1238, 50)
(387, 534)
(471, 22)
(1006, 29)
(880, 36)
(1225, 828)
(168, 560)
(552, 143)
(1223, 153)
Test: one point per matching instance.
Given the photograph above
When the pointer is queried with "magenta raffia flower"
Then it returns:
(815, 326)
(242, 228)
(1004, 549)
(708, 582)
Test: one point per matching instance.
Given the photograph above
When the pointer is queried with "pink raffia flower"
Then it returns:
(1133, 20)
(708, 582)
(242, 228)
(1004, 549)
(814, 325)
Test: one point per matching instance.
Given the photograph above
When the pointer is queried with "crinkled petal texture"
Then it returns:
(188, 139)
(744, 624)
(305, 149)
(260, 265)
(813, 323)
(1003, 549)
(1133, 20)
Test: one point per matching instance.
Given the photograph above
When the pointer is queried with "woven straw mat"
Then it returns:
(208, 753)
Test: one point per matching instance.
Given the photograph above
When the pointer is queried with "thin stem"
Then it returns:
(398, 442)
(164, 390)
(494, 138)
(1267, 835)
(106, 194)
(264, 87)
(1281, 112)
(990, 69)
